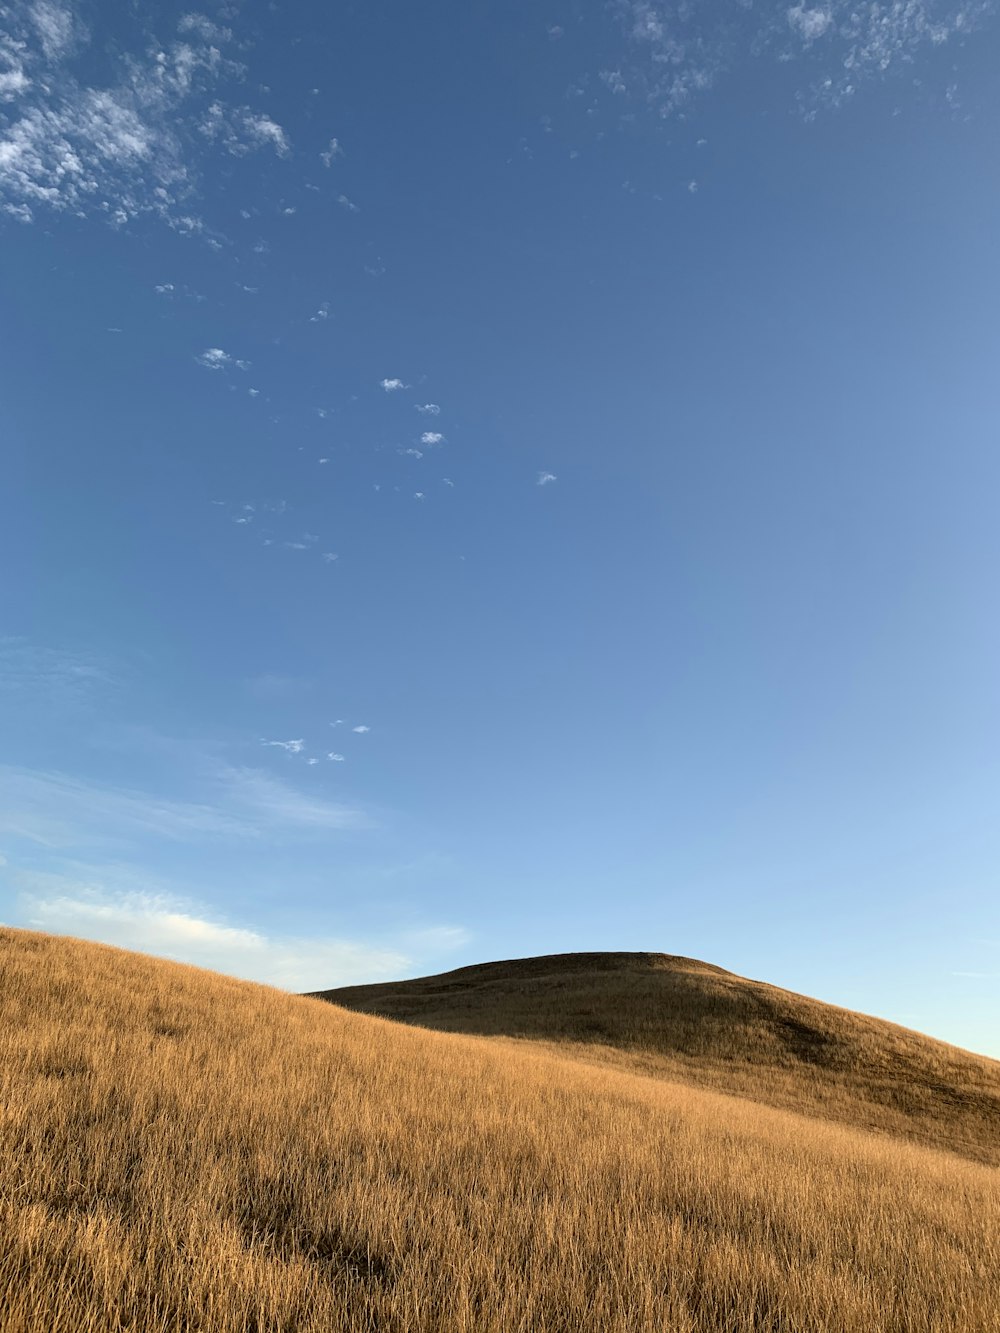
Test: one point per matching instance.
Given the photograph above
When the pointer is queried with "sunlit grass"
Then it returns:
(179, 1151)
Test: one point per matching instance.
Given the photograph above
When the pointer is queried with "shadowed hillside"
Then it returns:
(680, 1018)
(185, 1153)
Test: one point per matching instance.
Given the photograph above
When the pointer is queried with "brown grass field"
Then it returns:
(181, 1151)
(692, 1022)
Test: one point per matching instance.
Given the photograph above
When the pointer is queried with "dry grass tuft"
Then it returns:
(179, 1151)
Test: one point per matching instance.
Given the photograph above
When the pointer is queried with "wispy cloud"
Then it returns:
(335, 757)
(429, 409)
(169, 926)
(122, 905)
(348, 204)
(290, 747)
(241, 131)
(361, 729)
(260, 796)
(675, 52)
(809, 23)
(392, 385)
(333, 150)
(431, 437)
(215, 358)
(136, 143)
(546, 479)
(56, 810)
(52, 674)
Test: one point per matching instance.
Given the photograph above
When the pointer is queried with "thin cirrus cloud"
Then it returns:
(428, 409)
(290, 747)
(138, 143)
(59, 811)
(51, 675)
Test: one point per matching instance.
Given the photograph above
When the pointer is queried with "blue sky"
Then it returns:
(492, 479)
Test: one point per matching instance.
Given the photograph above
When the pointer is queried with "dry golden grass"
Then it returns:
(688, 1021)
(179, 1151)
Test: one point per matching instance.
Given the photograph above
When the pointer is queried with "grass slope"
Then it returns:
(682, 1019)
(180, 1151)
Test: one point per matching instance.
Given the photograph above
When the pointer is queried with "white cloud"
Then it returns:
(262, 130)
(164, 288)
(347, 204)
(419, 495)
(322, 313)
(330, 557)
(675, 53)
(133, 145)
(205, 28)
(429, 409)
(448, 481)
(692, 187)
(546, 478)
(809, 23)
(337, 758)
(333, 150)
(168, 926)
(291, 747)
(56, 27)
(412, 453)
(214, 358)
(431, 437)
(393, 385)
(361, 729)
(240, 131)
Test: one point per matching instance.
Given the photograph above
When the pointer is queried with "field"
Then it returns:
(181, 1151)
(689, 1021)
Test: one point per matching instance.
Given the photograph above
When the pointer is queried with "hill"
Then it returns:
(682, 1019)
(180, 1151)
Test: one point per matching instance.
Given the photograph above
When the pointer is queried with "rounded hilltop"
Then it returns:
(681, 1018)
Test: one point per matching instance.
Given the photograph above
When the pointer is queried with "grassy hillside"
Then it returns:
(681, 1019)
(180, 1151)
